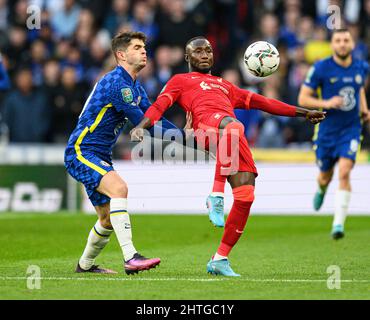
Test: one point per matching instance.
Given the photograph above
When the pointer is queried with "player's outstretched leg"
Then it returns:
(235, 223)
(228, 147)
(113, 186)
(96, 242)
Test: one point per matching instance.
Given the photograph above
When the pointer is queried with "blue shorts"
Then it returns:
(89, 170)
(327, 156)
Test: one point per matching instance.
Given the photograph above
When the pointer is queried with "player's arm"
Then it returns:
(144, 106)
(164, 101)
(307, 94)
(307, 98)
(280, 108)
(249, 100)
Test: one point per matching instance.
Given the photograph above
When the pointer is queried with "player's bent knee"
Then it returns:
(244, 193)
(344, 176)
(235, 126)
(120, 190)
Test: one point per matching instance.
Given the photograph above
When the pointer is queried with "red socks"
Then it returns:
(237, 219)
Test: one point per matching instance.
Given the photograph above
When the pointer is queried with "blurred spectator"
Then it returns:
(143, 20)
(50, 6)
(271, 126)
(26, 112)
(38, 56)
(65, 21)
(361, 50)
(20, 15)
(176, 26)
(305, 29)
(288, 31)
(68, 104)
(4, 13)
(149, 81)
(94, 61)
(163, 64)
(365, 22)
(319, 47)
(16, 50)
(73, 59)
(117, 16)
(270, 28)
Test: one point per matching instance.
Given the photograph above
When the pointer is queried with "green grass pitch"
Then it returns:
(279, 257)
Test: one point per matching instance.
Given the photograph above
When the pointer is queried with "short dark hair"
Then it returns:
(195, 38)
(123, 39)
(340, 30)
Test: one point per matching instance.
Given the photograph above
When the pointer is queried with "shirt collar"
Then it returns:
(127, 76)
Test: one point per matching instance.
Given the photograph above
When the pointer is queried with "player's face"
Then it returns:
(342, 44)
(135, 54)
(199, 55)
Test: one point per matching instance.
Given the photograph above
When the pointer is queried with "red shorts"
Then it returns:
(207, 136)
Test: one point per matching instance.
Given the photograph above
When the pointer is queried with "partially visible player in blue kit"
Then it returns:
(340, 79)
(4, 78)
(116, 96)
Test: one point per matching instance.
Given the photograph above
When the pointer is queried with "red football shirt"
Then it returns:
(205, 95)
(201, 94)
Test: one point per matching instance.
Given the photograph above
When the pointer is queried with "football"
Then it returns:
(261, 58)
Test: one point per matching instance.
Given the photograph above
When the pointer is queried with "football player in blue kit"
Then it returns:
(339, 82)
(116, 96)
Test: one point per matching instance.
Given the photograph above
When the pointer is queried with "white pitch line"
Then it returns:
(180, 279)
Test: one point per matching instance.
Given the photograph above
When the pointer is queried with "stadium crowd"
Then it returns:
(52, 69)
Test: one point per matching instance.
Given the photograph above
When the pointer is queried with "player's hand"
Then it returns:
(315, 116)
(189, 131)
(137, 134)
(334, 103)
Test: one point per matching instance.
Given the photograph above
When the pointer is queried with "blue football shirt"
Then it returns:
(331, 80)
(114, 98)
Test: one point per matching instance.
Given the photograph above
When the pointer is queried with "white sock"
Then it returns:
(342, 198)
(218, 257)
(97, 240)
(120, 221)
(217, 194)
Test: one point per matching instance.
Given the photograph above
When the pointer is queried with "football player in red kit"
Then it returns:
(211, 101)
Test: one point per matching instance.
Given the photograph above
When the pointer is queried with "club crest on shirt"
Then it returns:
(127, 95)
(105, 164)
(358, 79)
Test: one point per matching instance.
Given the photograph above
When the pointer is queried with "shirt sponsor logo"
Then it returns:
(206, 86)
(127, 95)
(347, 79)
